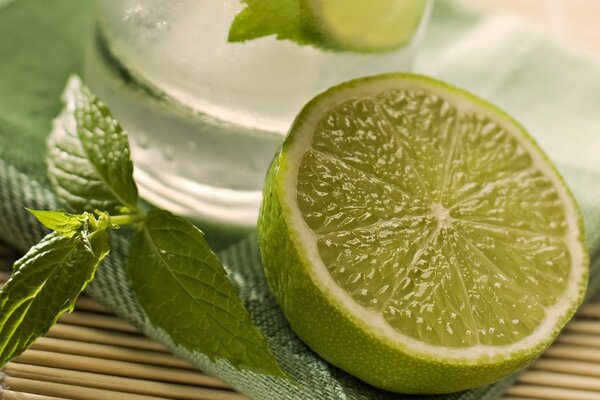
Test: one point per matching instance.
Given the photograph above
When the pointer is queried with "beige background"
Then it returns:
(574, 20)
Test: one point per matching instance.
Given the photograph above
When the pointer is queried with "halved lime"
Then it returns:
(416, 236)
(365, 25)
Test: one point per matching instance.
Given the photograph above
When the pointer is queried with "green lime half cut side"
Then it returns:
(411, 230)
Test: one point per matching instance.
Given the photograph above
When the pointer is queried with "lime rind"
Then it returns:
(387, 351)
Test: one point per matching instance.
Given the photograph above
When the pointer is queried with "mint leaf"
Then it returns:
(282, 18)
(88, 159)
(44, 284)
(184, 289)
(60, 221)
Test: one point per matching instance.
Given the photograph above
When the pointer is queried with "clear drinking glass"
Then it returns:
(205, 116)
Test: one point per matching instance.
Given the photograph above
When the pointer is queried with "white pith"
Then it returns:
(373, 322)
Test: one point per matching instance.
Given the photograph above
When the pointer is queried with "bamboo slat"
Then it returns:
(117, 383)
(110, 352)
(112, 367)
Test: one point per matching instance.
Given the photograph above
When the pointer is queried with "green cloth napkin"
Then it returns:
(551, 89)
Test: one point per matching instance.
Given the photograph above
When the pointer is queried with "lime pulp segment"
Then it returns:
(438, 219)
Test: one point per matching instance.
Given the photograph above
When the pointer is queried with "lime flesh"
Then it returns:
(410, 230)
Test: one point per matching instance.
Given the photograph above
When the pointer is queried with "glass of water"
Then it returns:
(205, 116)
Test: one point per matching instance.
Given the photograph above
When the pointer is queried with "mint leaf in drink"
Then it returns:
(89, 158)
(45, 283)
(184, 289)
(282, 18)
(60, 221)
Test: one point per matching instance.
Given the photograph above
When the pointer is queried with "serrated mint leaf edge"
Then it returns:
(129, 196)
(67, 148)
(145, 252)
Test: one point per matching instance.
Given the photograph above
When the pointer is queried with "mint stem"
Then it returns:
(127, 218)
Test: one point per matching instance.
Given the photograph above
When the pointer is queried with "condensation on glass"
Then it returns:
(205, 116)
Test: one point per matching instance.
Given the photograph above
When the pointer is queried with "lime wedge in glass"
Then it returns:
(416, 236)
(358, 25)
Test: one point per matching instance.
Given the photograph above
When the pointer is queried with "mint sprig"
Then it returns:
(177, 278)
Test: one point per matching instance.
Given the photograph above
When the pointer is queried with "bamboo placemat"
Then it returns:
(92, 354)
